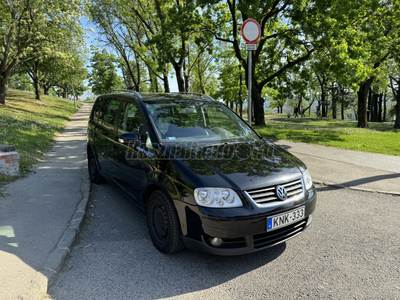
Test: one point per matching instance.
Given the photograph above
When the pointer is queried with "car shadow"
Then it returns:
(117, 239)
(358, 182)
(370, 179)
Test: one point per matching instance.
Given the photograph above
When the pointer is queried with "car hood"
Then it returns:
(241, 166)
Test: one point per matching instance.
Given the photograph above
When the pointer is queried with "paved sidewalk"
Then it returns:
(41, 216)
(347, 168)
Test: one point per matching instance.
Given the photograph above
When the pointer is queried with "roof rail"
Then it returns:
(197, 94)
(124, 91)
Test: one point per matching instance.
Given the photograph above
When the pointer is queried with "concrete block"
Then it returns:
(9, 163)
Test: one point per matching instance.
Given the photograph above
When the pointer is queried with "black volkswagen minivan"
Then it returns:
(205, 179)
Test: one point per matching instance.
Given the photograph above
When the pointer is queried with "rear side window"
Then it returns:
(111, 113)
(98, 110)
(131, 119)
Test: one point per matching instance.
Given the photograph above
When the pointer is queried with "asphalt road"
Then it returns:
(351, 251)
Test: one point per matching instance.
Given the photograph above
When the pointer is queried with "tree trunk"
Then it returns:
(65, 92)
(258, 105)
(380, 107)
(165, 81)
(369, 104)
(186, 71)
(342, 111)
(334, 105)
(137, 82)
(203, 91)
(200, 75)
(299, 105)
(384, 107)
(362, 95)
(258, 102)
(151, 80)
(46, 89)
(156, 84)
(323, 109)
(179, 77)
(397, 109)
(3, 88)
(342, 107)
(186, 83)
(397, 122)
(324, 112)
(37, 87)
(376, 107)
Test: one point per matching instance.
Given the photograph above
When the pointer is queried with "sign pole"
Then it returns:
(251, 32)
(249, 84)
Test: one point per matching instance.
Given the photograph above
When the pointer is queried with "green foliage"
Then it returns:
(157, 34)
(32, 30)
(34, 34)
(103, 76)
(203, 70)
(230, 89)
(20, 82)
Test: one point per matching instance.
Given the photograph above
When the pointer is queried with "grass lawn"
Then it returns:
(381, 138)
(31, 125)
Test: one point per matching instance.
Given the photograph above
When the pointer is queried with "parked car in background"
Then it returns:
(205, 179)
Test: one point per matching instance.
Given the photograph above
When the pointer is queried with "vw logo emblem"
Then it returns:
(281, 192)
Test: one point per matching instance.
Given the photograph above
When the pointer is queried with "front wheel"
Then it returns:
(163, 223)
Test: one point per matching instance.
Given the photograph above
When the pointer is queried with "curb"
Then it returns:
(57, 258)
(360, 189)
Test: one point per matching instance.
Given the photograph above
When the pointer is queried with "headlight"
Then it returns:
(217, 197)
(307, 179)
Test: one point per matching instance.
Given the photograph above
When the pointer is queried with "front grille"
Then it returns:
(268, 194)
(271, 238)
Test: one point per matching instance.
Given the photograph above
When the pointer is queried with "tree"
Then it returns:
(114, 33)
(104, 75)
(180, 25)
(365, 44)
(203, 79)
(277, 97)
(231, 88)
(291, 31)
(23, 22)
(394, 81)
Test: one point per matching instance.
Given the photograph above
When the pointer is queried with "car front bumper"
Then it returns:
(242, 234)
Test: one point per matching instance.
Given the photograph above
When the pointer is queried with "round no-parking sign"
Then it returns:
(251, 31)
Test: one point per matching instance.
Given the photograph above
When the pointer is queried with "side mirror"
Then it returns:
(128, 137)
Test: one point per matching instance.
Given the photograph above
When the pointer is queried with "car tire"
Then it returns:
(163, 223)
(94, 174)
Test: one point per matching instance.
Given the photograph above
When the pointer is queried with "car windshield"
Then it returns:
(202, 122)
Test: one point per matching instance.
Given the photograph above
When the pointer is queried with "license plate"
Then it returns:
(285, 219)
